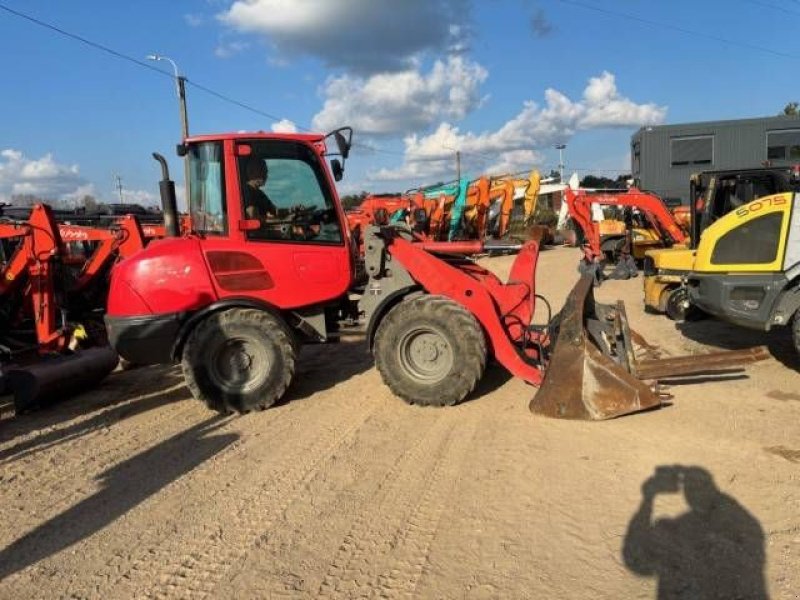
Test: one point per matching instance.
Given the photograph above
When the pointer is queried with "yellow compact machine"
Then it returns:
(714, 195)
(747, 268)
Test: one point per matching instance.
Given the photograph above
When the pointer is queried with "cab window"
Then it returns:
(285, 190)
(207, 197)
(756, 242)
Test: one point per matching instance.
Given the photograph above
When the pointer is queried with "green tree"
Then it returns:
(791, 109)
(89, 203)
(353, 200)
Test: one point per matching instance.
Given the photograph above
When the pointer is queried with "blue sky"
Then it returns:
(500, 80)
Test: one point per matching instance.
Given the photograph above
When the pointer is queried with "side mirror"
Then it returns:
(337, 169)
(181, 150)
(343, 143)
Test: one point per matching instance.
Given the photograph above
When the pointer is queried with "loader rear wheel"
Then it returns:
(239, 360)
(430, 351)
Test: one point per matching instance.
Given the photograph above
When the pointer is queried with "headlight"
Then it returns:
(747, 298)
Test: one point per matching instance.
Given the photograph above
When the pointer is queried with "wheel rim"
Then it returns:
(676, 305)
(425, 354)
(238, 365)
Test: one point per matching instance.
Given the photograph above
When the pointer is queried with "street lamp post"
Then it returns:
(180, 90)
(561, 148)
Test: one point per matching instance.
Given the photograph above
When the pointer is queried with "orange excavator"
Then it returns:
(465, 210)
(650, 207)
(487, 206)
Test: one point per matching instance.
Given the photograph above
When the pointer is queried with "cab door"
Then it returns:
(287, 245)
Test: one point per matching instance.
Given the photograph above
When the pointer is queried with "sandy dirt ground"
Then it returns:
(134, 490)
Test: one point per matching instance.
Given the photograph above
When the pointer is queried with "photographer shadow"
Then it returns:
(715, 550)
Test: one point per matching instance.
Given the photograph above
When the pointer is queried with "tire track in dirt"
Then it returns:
(427, 432)
(411, 548)
(166, 567)
(61, 450)
(133, 530)
(65, 476)
(385, 551)
(224, 469)
(195, 573)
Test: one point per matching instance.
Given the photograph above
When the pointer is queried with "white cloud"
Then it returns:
(194, 19)
(42, 177)
(77, 195)
(143, 197)
(365, 36)
(534, 127)
(515, 161)
(391, 103)
(226, 49)
(604, 107)
(284, 126)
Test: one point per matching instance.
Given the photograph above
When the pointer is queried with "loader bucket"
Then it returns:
(58, 377)
(593, 372)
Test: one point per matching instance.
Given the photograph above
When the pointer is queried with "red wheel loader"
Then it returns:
(269, 265)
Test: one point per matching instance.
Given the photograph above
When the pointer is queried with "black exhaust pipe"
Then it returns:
(169, 202)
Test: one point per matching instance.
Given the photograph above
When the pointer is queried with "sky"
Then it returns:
(501, 81)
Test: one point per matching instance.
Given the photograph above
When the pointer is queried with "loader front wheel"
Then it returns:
(679, 308)
(239, 360)
(796, 331)
(430, 351)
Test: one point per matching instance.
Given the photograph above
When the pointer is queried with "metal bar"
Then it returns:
(699, 363)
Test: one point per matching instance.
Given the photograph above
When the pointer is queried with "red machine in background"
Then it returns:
(429, 216)
(53, 291)
(379, 209)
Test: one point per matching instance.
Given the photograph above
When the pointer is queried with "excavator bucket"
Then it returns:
(593, 372)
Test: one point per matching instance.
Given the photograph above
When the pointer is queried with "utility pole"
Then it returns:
(184, 132)
(180, 89)
(458, 165)
(118, 186)
(560, 148)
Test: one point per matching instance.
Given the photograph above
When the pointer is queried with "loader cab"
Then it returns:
(269, 200)
(747, 263)
(715, 194)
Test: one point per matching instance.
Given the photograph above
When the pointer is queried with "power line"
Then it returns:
(679, 29)
(203, 88)
(773, 7)
(83, 40)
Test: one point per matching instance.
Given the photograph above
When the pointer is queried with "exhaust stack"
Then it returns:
(169, 202)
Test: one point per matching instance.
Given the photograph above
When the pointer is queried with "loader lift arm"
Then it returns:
(583, 360)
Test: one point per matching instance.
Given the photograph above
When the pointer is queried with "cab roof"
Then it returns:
(257, 135)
